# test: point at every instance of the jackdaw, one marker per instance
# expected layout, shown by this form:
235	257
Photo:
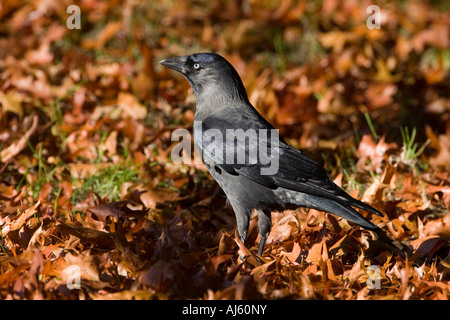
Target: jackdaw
291	179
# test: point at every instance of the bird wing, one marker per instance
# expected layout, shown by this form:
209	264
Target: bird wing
295	171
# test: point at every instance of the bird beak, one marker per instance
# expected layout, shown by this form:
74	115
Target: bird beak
176	63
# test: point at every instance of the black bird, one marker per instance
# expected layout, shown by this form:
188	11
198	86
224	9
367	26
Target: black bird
222	104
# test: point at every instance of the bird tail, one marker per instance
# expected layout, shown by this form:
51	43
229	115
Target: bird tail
361	205
344	211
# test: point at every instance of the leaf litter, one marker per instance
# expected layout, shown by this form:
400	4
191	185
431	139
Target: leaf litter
92	207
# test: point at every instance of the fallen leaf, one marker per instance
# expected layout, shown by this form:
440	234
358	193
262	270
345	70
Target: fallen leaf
427	246
99	238
11	102
40	56
16	147
86	170
21	220
372	154
150	198
108	32
439	227
294	254
131	107
116	210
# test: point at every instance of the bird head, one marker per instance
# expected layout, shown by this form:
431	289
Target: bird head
208	74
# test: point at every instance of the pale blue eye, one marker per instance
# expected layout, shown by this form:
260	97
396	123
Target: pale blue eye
196	66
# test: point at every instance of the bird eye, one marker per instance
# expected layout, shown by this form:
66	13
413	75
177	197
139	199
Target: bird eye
197	66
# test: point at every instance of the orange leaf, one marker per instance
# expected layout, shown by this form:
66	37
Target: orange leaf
294	254
22	219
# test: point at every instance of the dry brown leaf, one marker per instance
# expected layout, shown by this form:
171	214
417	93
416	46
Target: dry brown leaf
371	154
263	269
100	238
11	102
118	209
108	32
441	159
337	39
86	170
315	253
428	245
440	227
245	254
384	75
284	224
111	144
374	193
333	101
437	35
380	95
214	262
21	220
15	148
159	277
128	295
131	107
150	198
40	56
294	254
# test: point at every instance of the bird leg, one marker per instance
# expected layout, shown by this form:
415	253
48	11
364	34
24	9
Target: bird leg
264	226
242	221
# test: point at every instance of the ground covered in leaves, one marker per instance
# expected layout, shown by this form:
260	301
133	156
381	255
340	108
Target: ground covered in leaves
92	207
